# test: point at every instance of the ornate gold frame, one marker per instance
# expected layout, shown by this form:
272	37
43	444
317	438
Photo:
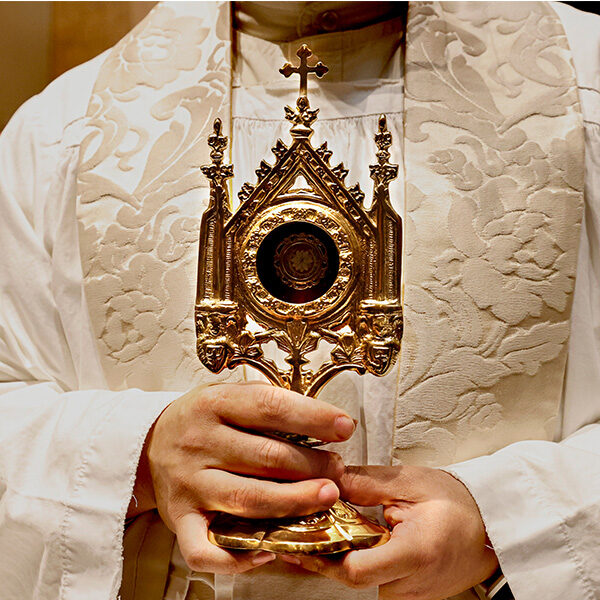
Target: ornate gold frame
337	269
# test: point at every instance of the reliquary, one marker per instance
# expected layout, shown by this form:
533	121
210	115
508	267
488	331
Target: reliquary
302	260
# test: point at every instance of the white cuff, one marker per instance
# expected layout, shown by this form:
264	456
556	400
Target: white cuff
540	502
94	537
67	468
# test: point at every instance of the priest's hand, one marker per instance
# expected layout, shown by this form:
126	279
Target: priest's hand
202	456
438	544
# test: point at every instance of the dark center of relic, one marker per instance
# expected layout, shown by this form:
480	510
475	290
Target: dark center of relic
297	262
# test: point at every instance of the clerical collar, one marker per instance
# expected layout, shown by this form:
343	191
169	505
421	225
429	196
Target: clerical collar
286	21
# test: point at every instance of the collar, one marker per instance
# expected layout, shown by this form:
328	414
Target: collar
286	21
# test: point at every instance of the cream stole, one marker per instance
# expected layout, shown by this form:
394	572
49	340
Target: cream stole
493	157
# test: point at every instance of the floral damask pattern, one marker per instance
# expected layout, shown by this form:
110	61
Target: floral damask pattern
493	154
140	192
154	54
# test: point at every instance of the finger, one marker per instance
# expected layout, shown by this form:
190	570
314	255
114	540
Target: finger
201	555
248	454
270	408
371	485
393	560
394	514
261	499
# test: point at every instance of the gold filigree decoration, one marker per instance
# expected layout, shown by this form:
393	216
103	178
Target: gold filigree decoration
297	267
358	311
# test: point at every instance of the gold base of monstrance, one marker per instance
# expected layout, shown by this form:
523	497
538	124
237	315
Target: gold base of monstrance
338	529
302	261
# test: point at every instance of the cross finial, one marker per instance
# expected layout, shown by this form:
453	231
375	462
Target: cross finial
303	70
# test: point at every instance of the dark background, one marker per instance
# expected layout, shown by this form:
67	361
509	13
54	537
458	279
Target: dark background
593	7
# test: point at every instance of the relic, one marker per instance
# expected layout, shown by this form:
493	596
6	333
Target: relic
301	261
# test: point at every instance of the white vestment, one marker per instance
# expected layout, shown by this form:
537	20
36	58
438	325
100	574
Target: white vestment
69	445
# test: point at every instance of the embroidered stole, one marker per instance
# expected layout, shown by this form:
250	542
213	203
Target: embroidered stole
493	155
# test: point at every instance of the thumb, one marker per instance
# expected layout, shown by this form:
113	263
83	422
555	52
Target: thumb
367	485
370	485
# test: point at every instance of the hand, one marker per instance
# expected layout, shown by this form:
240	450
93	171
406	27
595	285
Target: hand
197	460
438	544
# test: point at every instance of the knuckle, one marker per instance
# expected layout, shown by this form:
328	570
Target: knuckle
245	498
270	403
196	559
190	441
272	454
351	478
216	398
335	464
357	578
202	395
181	495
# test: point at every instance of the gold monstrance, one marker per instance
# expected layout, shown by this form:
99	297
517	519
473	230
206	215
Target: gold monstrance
300	266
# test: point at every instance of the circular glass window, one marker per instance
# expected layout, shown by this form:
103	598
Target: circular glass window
297	262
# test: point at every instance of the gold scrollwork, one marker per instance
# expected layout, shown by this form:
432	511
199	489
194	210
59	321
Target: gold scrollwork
296	266
275	308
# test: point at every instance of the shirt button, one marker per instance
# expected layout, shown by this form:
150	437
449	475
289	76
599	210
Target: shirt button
329	20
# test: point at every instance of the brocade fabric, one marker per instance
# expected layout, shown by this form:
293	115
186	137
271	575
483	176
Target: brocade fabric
68	372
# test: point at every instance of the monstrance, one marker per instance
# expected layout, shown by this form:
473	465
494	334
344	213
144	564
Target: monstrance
301	261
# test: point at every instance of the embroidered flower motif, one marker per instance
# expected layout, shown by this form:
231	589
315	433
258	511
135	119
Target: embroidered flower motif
145	299
506	254
138	189
155	54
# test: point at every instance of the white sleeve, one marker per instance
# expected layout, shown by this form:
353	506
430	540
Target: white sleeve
67	469
540	502
68	457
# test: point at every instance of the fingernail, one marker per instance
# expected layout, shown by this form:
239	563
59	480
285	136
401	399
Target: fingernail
290	559
328	494
262	558
344	427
